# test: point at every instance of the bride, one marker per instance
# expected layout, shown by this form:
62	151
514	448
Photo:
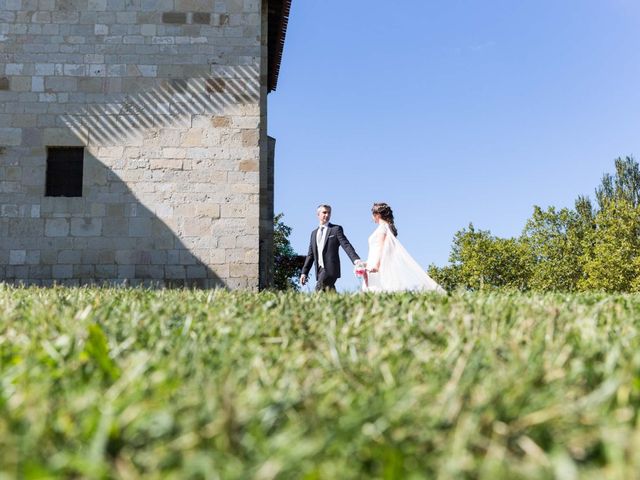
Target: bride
389	267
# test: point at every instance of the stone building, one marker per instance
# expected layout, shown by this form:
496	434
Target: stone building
133	141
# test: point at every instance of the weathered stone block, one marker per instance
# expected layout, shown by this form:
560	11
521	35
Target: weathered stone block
141	257
114	210
128	17
184	211
247	241
40	272
220	121
209	210
173	257
26	227
62	271
196	271
9	210
202	18
248	166
77	137
49	256
84	272
217	256
10	136
33	257
17	257
106	271
187	258
14	68
140	227
236	283
70	256
97	5
91	85
234	210
113	226
174	17
242	270
124	257
106	256
175	271
252	256
197	227
149	271
86	227
126	271
226	241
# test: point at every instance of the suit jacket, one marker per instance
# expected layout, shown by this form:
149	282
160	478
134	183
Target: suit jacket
334	240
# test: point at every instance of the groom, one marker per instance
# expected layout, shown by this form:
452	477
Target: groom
323	249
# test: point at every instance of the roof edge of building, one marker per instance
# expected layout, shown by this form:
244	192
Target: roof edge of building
278	20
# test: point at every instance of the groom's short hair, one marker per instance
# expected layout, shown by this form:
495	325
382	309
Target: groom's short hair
323	205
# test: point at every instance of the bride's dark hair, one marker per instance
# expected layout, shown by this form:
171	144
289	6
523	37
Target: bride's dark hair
386	214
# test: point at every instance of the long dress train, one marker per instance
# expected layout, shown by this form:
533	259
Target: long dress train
397	270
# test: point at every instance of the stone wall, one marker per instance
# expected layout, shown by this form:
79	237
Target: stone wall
167	98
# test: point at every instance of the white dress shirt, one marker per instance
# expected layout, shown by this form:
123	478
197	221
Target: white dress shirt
320	239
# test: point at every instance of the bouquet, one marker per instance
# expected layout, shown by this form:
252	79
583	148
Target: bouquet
360	270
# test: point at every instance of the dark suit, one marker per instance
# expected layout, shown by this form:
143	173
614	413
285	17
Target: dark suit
335	238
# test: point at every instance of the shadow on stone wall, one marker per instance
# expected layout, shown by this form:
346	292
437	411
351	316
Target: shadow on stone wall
173	103
108	237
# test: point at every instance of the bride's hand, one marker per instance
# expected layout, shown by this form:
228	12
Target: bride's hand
372	270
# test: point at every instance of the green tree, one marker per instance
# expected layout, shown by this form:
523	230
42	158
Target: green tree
624	184
585	248
612	262
479	260
448	277
609	245
585	211
287	263
555	242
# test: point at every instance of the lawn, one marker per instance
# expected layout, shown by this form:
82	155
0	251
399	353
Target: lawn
127	383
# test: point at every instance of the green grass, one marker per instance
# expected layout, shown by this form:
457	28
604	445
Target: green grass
125	383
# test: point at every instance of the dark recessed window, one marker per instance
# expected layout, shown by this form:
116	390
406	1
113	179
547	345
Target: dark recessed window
64	171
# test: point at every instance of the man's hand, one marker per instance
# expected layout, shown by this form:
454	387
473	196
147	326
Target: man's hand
303	279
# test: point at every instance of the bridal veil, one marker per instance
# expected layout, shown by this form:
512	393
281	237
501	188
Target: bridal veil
398	270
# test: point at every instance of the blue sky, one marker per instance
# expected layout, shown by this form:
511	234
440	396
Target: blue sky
450	111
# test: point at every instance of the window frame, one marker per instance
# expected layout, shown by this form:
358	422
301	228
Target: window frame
64	175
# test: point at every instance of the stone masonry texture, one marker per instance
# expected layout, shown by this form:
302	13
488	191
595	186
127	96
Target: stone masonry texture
168	100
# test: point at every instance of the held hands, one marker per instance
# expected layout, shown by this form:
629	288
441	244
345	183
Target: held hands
361	268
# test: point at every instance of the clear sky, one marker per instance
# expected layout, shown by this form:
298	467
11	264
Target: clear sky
450	111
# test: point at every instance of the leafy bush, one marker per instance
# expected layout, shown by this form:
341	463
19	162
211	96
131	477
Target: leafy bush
287	263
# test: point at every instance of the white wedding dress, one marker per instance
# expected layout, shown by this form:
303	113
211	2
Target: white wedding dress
397	270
